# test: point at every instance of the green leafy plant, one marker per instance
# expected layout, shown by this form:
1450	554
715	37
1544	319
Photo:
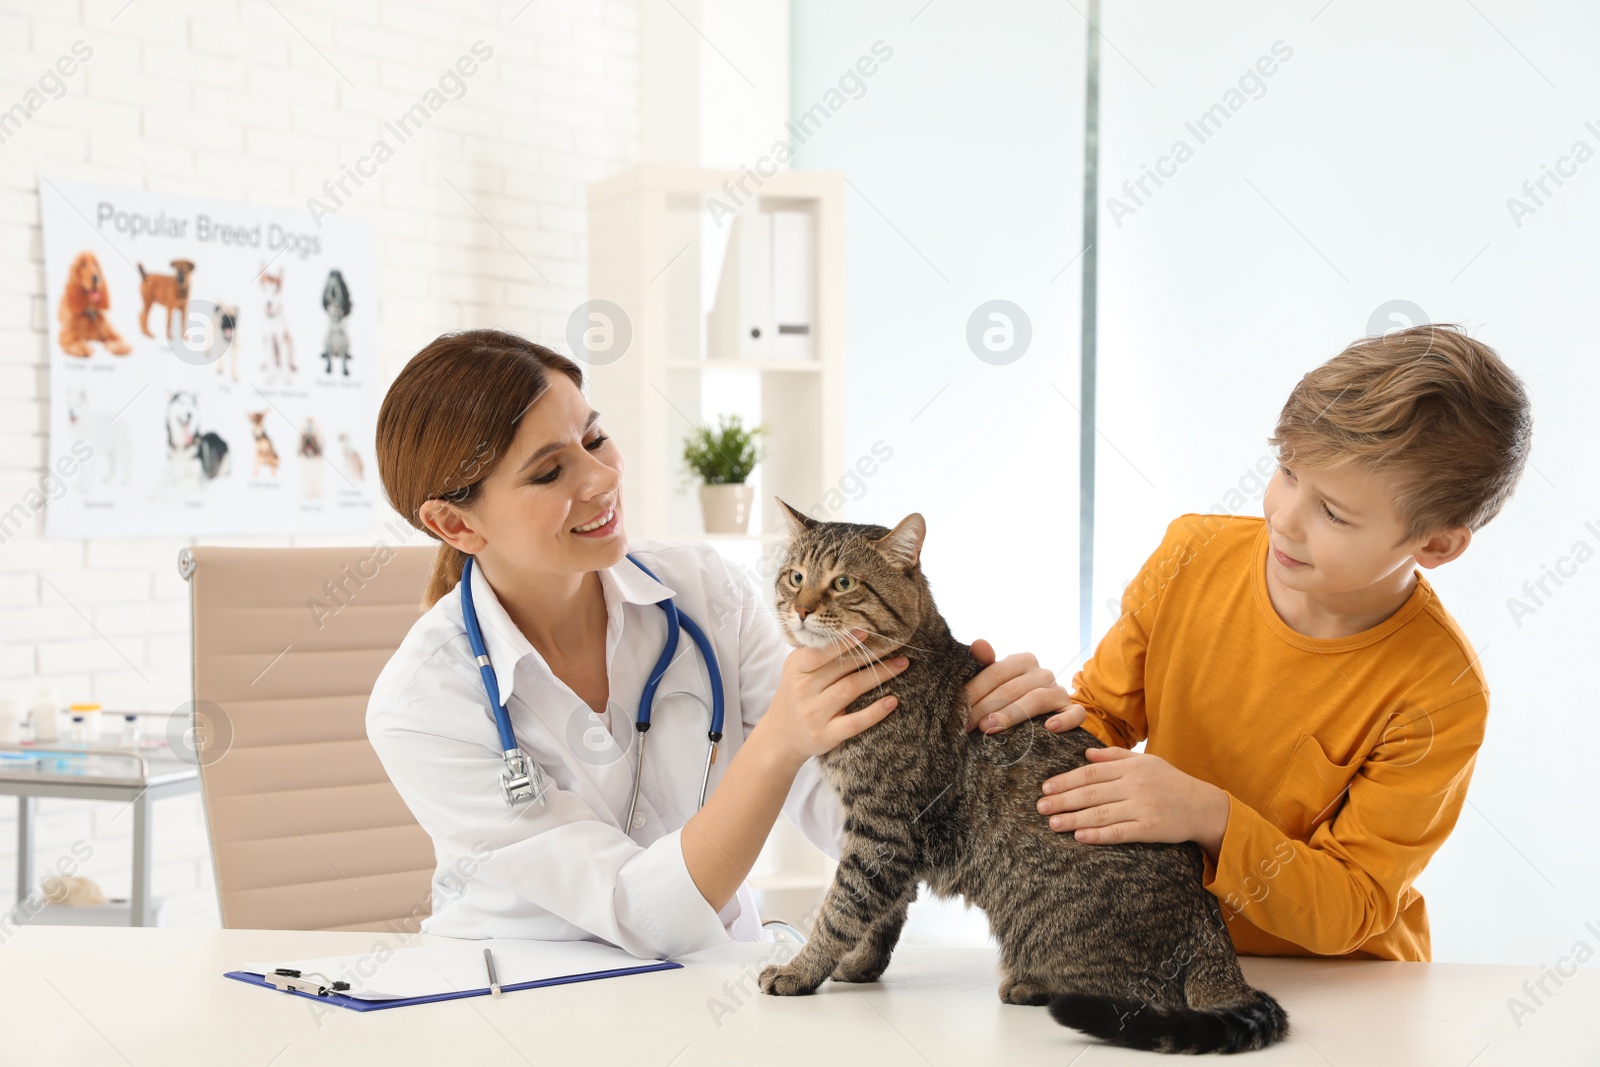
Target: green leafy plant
724	456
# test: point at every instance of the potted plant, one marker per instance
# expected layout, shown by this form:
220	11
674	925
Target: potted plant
723	459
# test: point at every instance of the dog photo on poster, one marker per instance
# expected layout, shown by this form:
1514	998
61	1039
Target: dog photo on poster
213	366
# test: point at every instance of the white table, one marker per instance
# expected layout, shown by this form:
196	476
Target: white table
89	996
98	772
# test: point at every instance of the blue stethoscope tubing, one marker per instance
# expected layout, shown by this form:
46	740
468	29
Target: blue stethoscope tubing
521	779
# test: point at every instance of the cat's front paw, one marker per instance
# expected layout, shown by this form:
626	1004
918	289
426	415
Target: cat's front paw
785	982
860	968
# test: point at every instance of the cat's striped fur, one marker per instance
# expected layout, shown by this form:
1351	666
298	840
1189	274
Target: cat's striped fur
1122	941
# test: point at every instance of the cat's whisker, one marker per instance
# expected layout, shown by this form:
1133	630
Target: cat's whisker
902	648
843	639
861	648
837	639
855	649
851	640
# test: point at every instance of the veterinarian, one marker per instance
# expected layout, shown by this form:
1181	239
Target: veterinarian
486	442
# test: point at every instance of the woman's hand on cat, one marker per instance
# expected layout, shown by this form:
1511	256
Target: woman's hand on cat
1123	796
1014	689
807	716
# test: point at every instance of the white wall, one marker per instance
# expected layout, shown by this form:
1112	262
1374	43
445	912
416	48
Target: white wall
964	153
713	80
1376	165
261	103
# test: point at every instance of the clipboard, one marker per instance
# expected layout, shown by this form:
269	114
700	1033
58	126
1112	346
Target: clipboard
421	973
357	1004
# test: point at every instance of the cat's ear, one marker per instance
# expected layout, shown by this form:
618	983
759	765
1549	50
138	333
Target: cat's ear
902	546
799	522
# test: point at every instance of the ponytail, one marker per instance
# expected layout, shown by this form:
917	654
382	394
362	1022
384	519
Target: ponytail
447	564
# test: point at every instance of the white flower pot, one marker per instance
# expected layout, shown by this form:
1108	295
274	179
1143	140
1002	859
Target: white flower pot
726	508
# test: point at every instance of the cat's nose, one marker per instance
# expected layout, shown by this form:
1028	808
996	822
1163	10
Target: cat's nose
801	613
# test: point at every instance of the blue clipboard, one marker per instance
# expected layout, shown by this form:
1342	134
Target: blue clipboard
357	1004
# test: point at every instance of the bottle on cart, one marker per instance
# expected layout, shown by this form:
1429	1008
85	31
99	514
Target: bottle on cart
46	717
92	714
130	731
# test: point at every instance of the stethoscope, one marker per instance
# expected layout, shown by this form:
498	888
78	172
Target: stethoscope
522	780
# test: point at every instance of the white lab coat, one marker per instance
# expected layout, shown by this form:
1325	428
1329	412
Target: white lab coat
569	870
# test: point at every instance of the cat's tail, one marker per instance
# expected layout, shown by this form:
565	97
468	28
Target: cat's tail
1254	1024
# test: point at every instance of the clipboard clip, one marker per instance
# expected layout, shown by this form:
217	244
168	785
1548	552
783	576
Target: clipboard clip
286	980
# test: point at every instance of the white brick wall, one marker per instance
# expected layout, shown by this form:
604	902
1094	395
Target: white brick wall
234	100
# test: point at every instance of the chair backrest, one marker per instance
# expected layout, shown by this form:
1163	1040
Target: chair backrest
307	832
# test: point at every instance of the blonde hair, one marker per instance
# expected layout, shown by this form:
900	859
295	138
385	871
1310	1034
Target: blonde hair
448	420
1429	407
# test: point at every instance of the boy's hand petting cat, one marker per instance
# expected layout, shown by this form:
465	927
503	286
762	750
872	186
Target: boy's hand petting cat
1015	689
1126	796
807	717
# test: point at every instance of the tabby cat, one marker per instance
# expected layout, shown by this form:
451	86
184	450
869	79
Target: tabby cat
1121	941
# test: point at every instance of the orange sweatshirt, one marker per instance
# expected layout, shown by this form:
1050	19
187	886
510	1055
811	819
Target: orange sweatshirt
1345	760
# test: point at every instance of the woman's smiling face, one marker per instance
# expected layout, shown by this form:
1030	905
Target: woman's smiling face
560	472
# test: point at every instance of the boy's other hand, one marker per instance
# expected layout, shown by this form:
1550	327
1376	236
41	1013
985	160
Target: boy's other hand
1016	688
1124	796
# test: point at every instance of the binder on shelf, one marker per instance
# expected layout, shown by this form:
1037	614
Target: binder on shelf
739	325
793	270
424	974
765	300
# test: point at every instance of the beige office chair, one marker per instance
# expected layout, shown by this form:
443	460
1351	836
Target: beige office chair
307	832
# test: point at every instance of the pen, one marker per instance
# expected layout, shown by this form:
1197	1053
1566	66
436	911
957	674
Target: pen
494	982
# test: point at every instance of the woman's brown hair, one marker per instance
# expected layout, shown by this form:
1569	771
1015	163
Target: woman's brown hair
448	420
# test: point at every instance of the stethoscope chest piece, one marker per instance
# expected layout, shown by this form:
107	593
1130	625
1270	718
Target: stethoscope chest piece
521	780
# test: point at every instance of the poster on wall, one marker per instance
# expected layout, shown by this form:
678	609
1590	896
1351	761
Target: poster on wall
213	365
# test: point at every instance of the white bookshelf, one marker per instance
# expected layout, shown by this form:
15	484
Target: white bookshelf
656	252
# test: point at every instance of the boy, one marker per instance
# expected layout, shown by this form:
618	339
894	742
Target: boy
1311	712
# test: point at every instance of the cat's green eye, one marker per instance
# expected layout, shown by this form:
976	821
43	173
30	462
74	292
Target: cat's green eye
796	579
844	583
